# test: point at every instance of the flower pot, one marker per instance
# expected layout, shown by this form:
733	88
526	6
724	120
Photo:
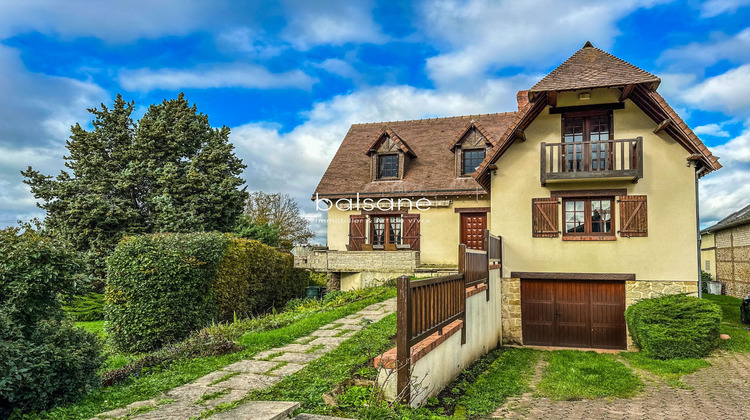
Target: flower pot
714	287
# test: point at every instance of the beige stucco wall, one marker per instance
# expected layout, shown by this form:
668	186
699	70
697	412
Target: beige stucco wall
708	253
669	251
439	367
439	226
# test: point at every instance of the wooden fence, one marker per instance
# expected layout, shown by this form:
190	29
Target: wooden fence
427	306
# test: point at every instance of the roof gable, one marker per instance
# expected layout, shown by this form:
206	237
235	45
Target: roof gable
389	141
591	67
740	217
475	134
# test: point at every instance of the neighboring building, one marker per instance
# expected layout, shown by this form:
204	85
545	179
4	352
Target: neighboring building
591	184
725	247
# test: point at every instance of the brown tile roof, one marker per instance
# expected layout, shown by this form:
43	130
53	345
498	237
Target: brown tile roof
431	173
591	67
487	135
399	141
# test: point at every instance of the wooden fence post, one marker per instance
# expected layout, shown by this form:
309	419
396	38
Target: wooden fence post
403	336
462	299
487	253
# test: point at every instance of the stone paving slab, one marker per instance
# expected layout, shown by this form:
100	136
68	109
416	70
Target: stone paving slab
184	402
259	410
252	366
287	369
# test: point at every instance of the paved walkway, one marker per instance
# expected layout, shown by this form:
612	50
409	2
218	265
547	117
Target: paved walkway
234	381
720	391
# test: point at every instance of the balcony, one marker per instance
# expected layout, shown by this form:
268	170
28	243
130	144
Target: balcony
592	160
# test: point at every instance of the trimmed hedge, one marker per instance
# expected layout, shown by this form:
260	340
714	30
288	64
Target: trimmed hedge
674	326
163	286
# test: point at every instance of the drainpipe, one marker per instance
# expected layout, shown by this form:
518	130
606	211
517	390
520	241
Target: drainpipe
698	230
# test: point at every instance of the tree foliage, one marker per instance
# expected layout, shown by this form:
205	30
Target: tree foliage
44	360
282	211
267	234
169	172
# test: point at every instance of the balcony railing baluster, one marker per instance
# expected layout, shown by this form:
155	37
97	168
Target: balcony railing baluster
592	159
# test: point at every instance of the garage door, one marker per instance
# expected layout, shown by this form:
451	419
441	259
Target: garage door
571	313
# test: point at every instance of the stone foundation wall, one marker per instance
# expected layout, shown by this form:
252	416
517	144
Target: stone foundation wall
359	261
634	291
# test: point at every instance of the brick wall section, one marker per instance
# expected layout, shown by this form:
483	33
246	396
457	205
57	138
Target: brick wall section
510	299
733	260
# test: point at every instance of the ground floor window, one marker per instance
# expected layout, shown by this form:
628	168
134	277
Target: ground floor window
588	216
386	230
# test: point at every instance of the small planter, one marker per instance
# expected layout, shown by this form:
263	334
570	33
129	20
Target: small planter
714	287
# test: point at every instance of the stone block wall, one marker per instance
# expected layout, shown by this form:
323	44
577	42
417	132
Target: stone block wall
359	261
733	260
510	298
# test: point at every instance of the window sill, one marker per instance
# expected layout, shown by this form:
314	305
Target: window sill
589	238
387	179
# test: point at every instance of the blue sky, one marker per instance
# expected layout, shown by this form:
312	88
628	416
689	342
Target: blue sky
291	76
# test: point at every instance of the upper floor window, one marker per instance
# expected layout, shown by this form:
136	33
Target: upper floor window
580	128
588	216
387	166
470	160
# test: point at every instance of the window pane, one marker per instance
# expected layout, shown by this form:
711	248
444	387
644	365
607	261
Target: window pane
394	230
574	216
601	216
388	166
471	160
378	230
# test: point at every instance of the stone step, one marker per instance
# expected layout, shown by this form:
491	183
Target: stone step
259	410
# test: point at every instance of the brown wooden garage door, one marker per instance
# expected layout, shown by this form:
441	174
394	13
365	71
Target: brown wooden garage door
573	313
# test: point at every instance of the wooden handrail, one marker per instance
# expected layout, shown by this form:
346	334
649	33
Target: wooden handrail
592	159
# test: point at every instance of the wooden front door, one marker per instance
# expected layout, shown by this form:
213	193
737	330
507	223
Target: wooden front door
472	229
573	313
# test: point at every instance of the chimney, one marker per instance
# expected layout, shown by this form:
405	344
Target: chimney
523	98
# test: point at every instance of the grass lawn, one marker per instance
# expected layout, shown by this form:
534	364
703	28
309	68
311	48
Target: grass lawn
668	370
575	375
182	372
731	323
96	327
508	375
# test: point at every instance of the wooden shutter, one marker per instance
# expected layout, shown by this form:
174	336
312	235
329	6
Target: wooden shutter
633	216
411	231
544	218
357	234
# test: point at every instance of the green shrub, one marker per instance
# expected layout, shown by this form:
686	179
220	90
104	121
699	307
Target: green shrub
86	308
159	288
44	361
674	326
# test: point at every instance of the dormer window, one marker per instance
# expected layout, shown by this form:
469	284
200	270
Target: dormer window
387	166
471	159
470	148
390	156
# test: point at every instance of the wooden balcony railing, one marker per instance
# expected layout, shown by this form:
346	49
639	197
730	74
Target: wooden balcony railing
592	159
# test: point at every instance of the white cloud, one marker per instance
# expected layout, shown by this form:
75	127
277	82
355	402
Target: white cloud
727	92
481	35
221	76
699	55
339	67
712	8
114	21
250	42
311	23
715	130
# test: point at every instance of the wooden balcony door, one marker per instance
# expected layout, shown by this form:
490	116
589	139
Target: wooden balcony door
586	138
472	229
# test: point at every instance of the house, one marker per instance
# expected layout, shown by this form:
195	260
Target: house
591	183
725	252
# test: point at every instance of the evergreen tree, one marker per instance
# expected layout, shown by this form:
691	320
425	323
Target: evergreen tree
170	172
